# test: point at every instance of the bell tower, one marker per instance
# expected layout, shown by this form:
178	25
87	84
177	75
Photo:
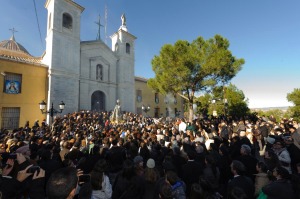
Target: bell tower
123	47
63	52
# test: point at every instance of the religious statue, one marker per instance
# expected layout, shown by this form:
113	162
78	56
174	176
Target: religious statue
116	114
123	18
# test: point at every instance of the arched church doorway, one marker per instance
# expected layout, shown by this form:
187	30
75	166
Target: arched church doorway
98	101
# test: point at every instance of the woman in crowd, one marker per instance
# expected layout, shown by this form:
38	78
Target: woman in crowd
100	182
151	177
281	187
261	178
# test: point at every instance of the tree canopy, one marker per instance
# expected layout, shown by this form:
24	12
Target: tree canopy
235	104
185	68
294	97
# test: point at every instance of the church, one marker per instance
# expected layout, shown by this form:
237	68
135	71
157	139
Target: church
85	75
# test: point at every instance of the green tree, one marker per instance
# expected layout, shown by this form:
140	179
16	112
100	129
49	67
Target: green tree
186	68
294	97
237	102
235	105
203	103
277	113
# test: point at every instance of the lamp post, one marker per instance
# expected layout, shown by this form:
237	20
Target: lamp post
215	114
146	109
51	111
225	106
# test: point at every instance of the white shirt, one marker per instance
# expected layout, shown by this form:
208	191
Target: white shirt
182	127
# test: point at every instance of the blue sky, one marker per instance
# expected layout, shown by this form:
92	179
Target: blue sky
266	33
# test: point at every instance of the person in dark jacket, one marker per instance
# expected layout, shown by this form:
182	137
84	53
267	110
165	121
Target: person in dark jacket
128	185
281	187
115	156
16	186
191	171
178	186
240	181
248	160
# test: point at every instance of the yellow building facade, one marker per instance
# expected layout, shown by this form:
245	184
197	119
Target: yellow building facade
23	83
153	104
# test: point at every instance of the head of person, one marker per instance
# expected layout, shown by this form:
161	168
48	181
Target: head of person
97	174
278	144
281	173
62	184
292	129
242	133
128	169
172	177
237	167
245	149
165	191
261	167
138	161
191	154
151	175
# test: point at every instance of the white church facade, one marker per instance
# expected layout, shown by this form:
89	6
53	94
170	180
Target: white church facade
87	74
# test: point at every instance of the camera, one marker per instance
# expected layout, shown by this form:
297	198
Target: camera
33	169
84	178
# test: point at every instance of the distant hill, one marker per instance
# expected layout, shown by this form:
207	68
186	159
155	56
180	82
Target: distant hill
283	108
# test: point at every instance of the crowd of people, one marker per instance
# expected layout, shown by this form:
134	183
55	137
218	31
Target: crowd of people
85	155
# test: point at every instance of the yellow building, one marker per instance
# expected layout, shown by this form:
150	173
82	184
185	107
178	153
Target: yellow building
153	104
23	81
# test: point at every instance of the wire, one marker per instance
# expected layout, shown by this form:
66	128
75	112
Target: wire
37	20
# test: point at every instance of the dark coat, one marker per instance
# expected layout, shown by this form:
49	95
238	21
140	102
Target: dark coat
115	157
250	163
128	189
191	172
279	189
11	188
242	182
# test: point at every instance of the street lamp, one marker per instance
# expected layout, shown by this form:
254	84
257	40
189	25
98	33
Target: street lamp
145	109
225	106
51	111
215	114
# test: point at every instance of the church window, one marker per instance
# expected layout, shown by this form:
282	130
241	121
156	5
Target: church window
67	21
167	112
127	48
116	47
99	72
156	99
139	95
166	100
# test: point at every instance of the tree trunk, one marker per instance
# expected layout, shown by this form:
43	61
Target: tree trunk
191	112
